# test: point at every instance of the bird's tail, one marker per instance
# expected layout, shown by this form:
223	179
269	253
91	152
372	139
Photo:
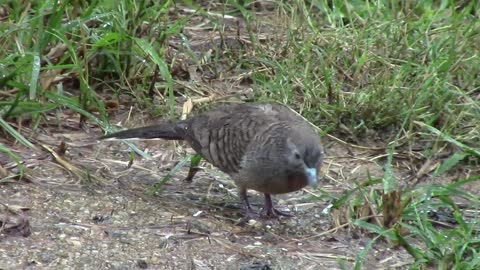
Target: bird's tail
164	131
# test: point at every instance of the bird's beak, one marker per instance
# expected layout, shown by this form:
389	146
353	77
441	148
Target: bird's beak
312	176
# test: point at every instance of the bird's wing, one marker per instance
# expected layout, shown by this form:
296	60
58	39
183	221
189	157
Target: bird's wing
223	134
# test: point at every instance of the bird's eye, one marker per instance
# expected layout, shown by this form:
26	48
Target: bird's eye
297	156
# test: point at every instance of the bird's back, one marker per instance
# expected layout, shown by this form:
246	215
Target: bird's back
223	134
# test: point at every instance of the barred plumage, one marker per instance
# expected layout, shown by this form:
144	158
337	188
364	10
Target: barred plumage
262	146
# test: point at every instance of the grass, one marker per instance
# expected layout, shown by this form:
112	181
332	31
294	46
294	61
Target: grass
403	76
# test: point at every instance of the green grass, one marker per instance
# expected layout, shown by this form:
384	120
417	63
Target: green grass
406	71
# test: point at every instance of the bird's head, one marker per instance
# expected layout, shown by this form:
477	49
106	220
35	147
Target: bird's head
304	159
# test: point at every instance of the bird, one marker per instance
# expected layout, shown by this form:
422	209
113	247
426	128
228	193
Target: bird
261	146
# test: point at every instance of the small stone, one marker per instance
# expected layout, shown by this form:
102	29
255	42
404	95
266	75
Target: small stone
142	264
47	257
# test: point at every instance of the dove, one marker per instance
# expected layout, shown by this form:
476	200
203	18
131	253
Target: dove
261	146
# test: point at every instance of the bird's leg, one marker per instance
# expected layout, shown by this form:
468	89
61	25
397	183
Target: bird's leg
246	206
245	202
270	211
191	173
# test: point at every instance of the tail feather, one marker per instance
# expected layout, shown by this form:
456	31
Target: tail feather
164	131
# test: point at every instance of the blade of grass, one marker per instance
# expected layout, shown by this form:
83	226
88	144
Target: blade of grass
164	71
159	186
17	136
34	77
466	148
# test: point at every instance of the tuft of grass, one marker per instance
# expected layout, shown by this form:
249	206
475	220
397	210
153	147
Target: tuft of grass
371	66
425	221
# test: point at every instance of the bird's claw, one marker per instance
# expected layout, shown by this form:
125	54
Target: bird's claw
249	215
275	213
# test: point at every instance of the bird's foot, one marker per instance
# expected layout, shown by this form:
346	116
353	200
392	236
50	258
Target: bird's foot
270	211
249	215
275	213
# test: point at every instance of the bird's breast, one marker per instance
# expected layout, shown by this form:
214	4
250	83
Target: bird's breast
296	182
272	185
